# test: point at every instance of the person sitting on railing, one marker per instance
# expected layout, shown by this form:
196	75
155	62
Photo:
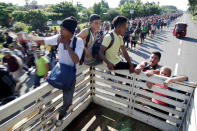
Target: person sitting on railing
151	65
89	36
110	56
165	71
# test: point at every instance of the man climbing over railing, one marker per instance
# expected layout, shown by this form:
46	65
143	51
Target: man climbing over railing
166	72
63	75
109	51
151	66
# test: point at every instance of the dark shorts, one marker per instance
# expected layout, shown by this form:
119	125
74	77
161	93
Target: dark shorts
142	35
133	42
123	66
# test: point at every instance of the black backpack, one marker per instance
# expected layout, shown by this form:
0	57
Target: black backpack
97	46
86	45
95	49
31	59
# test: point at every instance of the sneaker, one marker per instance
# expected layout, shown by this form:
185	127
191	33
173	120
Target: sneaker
59	123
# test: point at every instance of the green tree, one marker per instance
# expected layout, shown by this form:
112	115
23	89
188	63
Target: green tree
84	15
20	16
104	4
169	9
140	9
65	9
98	9
112	13
193	6
34	4
27	4
80	7
6	14
37	19
20	27
122	2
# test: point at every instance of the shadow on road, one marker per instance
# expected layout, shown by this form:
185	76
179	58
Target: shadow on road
141	54
194	40
151	46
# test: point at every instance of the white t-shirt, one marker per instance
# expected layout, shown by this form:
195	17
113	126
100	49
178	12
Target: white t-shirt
63	55
153	27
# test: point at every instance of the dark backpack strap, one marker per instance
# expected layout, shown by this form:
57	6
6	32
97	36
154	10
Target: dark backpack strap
74	43
86	45
88	37
112	41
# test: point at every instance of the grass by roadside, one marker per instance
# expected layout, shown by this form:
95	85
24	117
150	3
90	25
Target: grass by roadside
194	18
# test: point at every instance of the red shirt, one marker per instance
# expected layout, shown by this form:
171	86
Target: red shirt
157	101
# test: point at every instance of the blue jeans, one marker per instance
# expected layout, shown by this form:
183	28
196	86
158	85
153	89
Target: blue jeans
67	100
37	80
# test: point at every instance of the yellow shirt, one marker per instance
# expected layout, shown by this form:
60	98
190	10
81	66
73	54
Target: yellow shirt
112	53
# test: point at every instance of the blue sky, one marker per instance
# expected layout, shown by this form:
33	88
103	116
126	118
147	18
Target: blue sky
180	4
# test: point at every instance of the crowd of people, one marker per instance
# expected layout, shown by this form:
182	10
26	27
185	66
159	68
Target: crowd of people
95	44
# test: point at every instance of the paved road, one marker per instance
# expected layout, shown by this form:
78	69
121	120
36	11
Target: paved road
179	54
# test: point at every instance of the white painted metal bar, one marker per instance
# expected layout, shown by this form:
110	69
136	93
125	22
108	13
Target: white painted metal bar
21	102
97	88
83	68
82	77
113	77
160	80
111	105
160	98
117	99
117	85
109	89
157	113
30	110
164	108
153	121
73	115
163	91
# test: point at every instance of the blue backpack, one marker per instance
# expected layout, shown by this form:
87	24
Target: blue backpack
63	76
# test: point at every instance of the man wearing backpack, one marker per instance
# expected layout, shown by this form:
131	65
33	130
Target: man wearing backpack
89	36
70	49
109	51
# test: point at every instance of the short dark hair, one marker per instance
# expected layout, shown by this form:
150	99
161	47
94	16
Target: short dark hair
6	33
157	53
118	20
94	17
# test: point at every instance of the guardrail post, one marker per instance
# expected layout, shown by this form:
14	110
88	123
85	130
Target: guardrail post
92	81
132	95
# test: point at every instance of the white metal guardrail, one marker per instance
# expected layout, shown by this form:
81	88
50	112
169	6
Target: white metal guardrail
127	94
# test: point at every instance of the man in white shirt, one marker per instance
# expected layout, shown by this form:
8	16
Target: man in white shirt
66	55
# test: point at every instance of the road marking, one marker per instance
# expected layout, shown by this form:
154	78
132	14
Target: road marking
176	69
179	51
181	41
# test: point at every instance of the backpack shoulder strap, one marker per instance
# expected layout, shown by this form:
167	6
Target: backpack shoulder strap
74	43
112	41
88	37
